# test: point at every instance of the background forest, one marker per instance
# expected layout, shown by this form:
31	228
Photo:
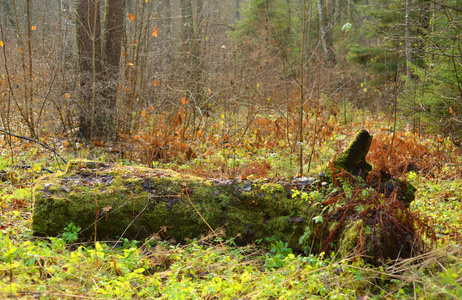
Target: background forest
163	72
245	89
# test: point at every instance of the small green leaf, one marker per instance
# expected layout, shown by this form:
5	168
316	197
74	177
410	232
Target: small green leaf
318	219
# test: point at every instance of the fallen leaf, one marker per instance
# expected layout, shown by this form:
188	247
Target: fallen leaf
107	208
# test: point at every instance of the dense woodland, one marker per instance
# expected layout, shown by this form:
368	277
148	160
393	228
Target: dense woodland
231	90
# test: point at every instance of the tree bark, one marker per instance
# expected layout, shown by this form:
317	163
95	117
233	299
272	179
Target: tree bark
99	71
89	46
31	75
187	26
112	51
325	35
167	19
237	12
65	21
408	41
8	14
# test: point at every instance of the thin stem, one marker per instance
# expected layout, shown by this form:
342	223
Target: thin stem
302	92
31	78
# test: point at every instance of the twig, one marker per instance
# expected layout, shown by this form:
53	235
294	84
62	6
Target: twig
35	141
203	219
134	219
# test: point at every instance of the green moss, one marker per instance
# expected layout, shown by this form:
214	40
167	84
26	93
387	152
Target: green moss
74	165
271	188
350	237
353	159
332	226
139	202
406	192
146	200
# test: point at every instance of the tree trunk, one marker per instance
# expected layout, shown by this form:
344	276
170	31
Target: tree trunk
237	12
89	46
112	51
408	41
197	53
187	26
30	100
8	14
65	21
167	18
98	87
327	45
289	20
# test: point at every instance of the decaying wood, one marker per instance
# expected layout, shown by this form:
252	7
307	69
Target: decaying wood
136	203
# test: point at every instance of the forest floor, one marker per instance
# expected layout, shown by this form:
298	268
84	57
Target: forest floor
212	268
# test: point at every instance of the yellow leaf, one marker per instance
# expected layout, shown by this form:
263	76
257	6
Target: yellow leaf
246	276
131	17
33	27
1	44
222	116
107	208
154	32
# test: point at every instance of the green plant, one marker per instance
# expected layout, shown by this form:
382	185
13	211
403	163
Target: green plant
71	233
277	255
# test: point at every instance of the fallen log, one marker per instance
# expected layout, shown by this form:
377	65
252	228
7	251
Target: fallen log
311	214
144	200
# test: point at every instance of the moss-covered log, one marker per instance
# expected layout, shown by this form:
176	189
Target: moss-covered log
135	203
144	200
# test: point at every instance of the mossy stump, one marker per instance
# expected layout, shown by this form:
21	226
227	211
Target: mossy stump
353	159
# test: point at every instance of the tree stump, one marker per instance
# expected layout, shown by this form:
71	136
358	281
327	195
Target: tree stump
353	159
